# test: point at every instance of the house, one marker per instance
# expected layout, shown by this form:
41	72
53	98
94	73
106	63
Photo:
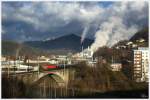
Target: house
24	67
140	40
53	61
3	58
134	45
129	43
116	66
43	58
91	63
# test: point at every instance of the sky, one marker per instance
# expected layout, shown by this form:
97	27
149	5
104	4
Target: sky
30	21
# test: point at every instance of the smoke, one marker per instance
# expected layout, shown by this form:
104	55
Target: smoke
111	32
86	29
120	22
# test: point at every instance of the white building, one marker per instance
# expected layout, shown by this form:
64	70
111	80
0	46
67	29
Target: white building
3	58
140	40
87	53
134	45
116	66
43	58
53	61
62	57
129	43
91	63
24	67
141	64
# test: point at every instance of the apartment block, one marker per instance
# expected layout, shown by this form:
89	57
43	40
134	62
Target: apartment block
141	64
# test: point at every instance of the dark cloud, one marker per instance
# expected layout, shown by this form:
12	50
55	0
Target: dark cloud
23	21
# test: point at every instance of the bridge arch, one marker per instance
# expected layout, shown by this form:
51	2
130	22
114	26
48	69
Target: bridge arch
54	75
45	80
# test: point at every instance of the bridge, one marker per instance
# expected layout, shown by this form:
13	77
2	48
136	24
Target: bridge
61	76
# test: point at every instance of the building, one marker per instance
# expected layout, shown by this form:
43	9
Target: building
116	66
129	43
3	58
88	53
53	61
24	68
61	57
91	63
85	55
140	40
141	64
43	58
134	45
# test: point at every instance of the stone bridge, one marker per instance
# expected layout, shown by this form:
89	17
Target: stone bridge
61	76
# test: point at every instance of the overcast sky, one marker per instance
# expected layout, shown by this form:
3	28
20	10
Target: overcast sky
25	21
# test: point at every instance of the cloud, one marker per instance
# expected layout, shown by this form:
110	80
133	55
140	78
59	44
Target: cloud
45	15
40	20
49	17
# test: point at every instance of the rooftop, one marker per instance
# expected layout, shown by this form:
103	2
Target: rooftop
143	48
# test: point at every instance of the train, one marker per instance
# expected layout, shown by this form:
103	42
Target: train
47	67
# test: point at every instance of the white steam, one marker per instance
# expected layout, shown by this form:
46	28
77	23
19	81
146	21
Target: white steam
84	33
119	22
111	32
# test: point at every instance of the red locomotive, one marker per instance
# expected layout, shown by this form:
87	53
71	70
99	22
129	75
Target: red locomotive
49	67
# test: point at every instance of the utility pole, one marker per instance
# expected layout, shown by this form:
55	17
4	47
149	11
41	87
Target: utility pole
55	91
112	60
44	90
64	67
28	64
38	66
14	59
60	91
19	63
8	66
82	52
49	92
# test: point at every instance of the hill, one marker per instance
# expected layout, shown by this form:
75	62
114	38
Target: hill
65	43
62	45
11	48
140	39
123	51
140	34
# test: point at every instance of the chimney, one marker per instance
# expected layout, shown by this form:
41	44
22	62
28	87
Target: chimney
88	48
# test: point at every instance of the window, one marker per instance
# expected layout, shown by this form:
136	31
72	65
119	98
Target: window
138	65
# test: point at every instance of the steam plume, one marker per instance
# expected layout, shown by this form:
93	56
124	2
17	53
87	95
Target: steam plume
84	33
111	32
118	23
